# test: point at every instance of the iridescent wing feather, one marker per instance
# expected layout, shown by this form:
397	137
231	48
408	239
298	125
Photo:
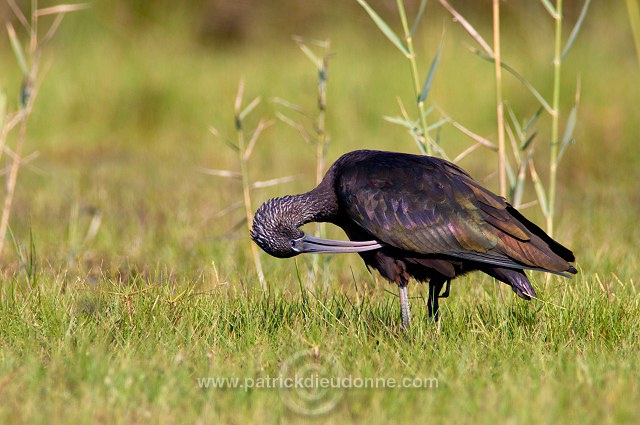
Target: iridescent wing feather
430	206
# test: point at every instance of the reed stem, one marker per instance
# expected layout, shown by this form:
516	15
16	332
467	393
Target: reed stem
426	144
246	184
634	19
555	119
322	139
502	168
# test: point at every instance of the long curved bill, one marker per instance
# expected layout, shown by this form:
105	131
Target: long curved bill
313	245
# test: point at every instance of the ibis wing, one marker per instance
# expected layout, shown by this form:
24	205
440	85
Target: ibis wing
431	206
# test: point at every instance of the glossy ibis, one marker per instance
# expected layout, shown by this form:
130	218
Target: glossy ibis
413	216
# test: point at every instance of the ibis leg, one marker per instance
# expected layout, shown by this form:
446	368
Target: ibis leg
447	290
435	286
404	305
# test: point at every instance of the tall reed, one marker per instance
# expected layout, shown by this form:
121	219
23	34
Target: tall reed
502	169
16	121
244	145
313	126
522	154
418	127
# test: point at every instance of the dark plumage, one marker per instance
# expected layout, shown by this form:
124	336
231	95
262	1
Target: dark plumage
413	216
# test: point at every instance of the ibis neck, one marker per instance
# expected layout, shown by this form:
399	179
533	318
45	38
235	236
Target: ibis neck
317	205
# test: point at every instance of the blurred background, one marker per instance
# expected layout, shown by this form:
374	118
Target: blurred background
129	90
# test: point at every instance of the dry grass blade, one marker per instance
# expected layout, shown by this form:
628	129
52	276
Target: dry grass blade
540	192
550	8
436	125
468	27
18	13
18	51
320	43
513	139
262	125
571	123
435	144
520	78
52	29
242	222
23	161
238	101
94	226
272	182
3	109
250	107
520	142
221	173
486	143
510	175
292	106
227	210
214	131
528	204
308	52
412	127
285	119
62	8
466	152
303	131
403	110
518	188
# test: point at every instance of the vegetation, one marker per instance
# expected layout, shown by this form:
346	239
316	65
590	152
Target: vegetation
123	282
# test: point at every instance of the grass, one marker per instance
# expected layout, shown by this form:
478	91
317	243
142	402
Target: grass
118	326
133	351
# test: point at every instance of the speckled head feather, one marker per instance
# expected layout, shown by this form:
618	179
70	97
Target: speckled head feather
275	225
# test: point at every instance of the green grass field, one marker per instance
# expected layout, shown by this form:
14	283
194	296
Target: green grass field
122	287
